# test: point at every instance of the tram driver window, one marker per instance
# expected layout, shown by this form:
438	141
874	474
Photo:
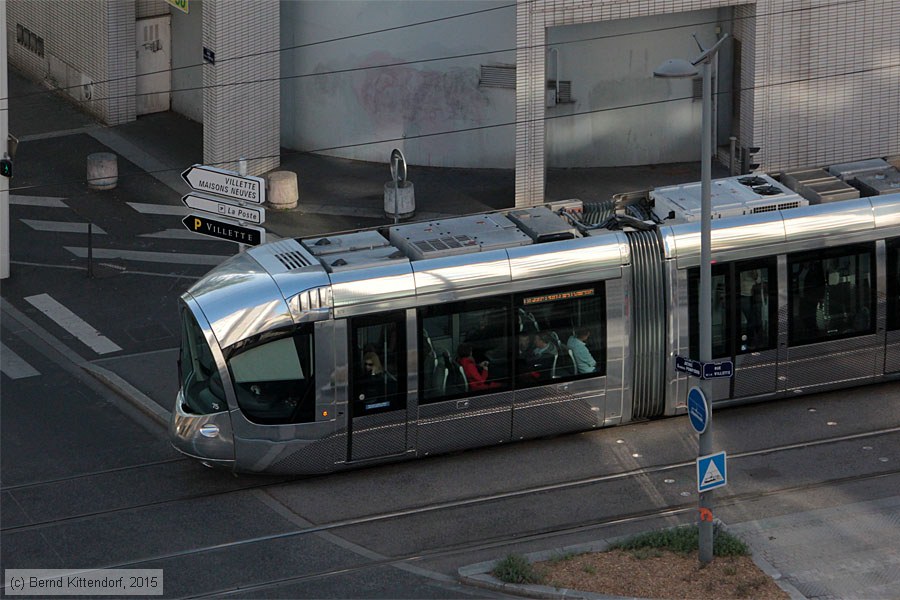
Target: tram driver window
274	380
831	294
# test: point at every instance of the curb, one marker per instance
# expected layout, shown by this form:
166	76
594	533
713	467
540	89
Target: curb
133	395
479	574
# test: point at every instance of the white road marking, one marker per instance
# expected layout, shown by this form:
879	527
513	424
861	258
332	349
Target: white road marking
72	323
155	257
62	226
159	209
14	365
179	234
48	201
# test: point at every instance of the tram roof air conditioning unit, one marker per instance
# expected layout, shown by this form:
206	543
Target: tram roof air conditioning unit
460	235
729	197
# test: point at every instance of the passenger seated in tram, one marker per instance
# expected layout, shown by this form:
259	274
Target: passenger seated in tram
577	343
375	382
543	357
476	374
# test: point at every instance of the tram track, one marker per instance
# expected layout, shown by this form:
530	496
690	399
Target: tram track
495	542
406	512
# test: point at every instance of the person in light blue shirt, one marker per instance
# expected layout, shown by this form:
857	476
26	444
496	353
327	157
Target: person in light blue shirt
577	343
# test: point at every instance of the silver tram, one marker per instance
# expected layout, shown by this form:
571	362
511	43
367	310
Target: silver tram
320	354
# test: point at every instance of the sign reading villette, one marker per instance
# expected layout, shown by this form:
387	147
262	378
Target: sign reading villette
226	184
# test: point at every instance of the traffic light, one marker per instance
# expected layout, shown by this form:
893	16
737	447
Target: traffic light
6	166
747	163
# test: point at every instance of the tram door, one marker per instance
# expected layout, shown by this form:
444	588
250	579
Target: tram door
378	401
744	325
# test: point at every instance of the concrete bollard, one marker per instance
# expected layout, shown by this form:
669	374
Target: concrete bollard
102	171
282	192
405	198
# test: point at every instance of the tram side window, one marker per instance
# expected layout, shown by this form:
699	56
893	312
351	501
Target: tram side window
560	334
465	348
200	381
274	380
893	284
831	294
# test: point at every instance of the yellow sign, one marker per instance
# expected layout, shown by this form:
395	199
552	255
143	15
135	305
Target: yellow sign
558	296
180	4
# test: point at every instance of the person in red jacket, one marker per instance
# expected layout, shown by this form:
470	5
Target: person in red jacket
476	374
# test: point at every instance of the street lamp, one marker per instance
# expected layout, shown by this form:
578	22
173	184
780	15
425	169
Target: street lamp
681	68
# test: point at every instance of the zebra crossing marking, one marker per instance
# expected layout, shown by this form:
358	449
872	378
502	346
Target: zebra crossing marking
62	227
72	323
46	201
14	366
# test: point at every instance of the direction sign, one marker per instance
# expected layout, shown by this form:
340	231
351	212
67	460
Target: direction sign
225	230
251	214
698	410
711	472
716	370
226	183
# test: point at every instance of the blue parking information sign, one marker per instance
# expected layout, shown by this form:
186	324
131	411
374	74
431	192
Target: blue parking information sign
711	472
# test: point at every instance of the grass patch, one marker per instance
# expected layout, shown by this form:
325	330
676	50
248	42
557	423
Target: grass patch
515	568
681	540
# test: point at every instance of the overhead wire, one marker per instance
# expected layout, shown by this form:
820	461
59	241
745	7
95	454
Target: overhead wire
404	62
407	138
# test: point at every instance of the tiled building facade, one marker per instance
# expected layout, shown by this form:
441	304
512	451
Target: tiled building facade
819	80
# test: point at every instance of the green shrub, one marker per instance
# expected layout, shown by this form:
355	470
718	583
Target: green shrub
515	568
683	540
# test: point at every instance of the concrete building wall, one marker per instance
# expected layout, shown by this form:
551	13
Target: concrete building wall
819	82
241	89
84	47
187	61
619	114
335	102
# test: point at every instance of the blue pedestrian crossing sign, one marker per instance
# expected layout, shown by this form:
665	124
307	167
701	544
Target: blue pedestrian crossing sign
711	472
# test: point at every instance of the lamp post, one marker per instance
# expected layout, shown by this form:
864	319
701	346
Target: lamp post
681	68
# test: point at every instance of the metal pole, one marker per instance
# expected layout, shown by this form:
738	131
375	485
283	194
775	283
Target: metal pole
705	312
242	171
90	250
4	140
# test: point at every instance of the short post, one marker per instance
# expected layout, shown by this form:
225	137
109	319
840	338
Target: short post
732	163
90	251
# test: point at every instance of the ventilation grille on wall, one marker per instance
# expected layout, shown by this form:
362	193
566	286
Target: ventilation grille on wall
563	92
500	76
25	37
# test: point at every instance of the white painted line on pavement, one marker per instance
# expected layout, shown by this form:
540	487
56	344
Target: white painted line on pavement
155	257
14	365
159	209
47	201
182	234
62	226
72	323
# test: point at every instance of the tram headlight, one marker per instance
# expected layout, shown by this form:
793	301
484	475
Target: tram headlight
209	430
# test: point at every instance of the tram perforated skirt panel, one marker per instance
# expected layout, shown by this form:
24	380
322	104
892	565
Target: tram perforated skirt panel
542	412
649	335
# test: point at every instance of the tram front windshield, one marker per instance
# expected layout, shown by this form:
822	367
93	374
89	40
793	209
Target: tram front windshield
201	383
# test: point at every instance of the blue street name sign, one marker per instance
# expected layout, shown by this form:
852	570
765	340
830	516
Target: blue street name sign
716	370
686	365
711	472
698	410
